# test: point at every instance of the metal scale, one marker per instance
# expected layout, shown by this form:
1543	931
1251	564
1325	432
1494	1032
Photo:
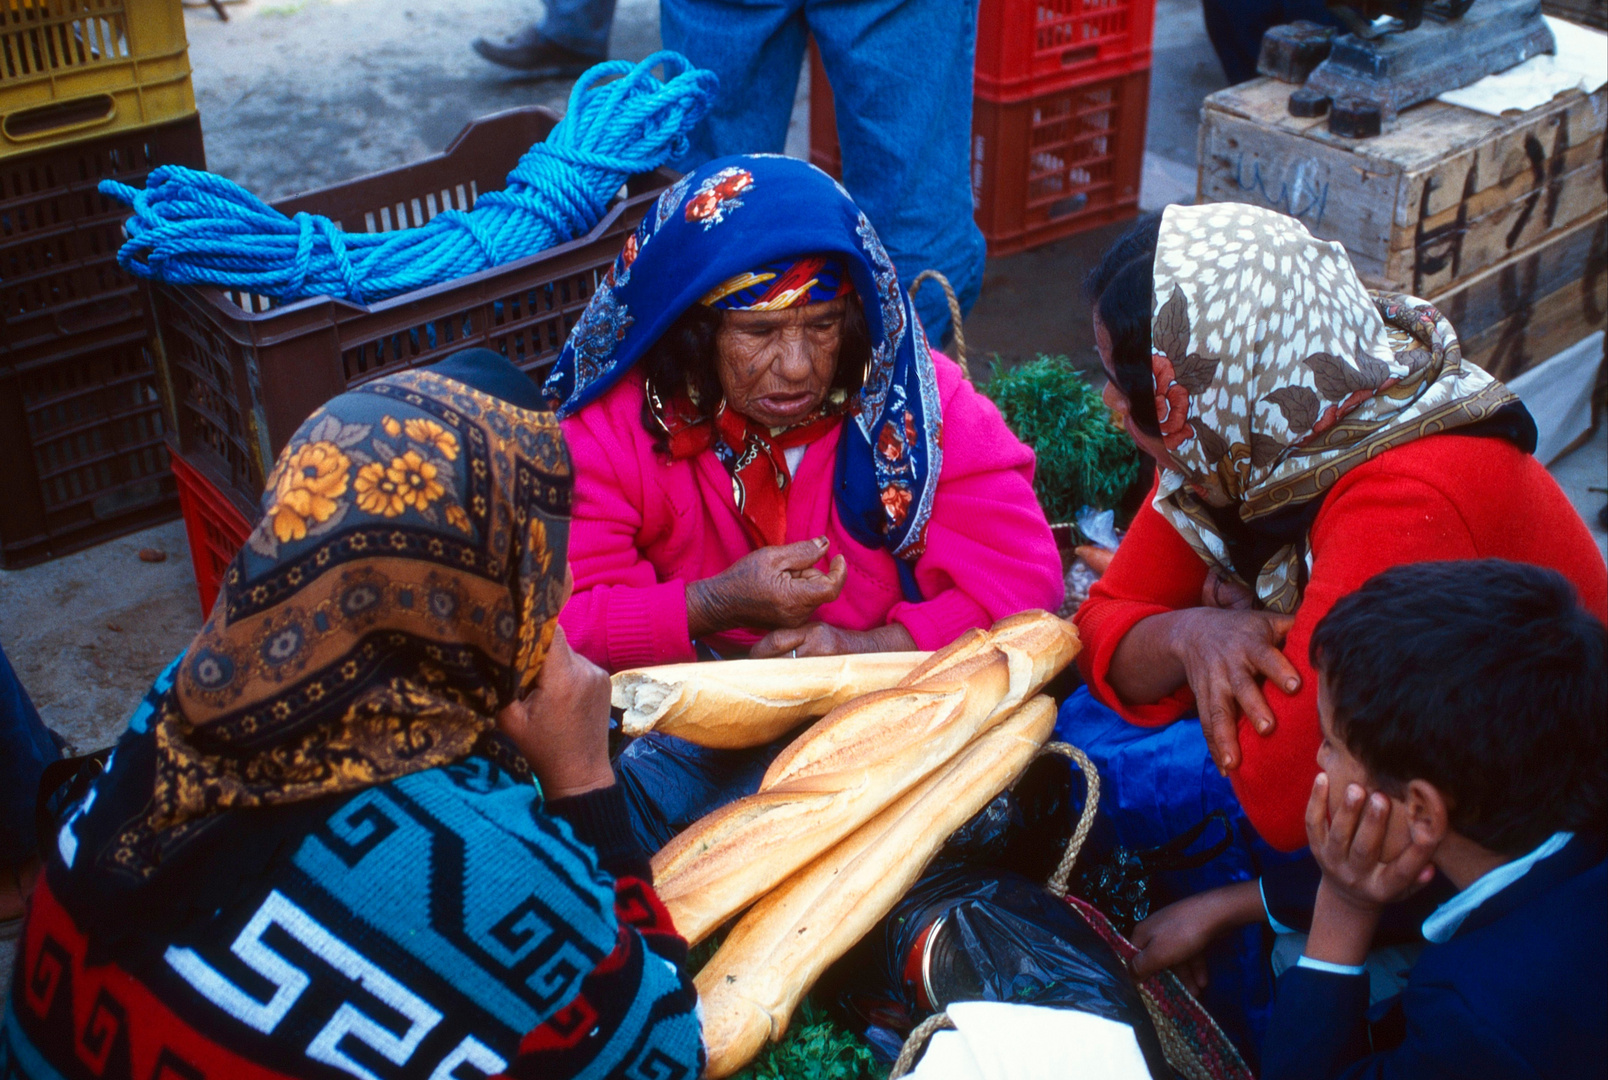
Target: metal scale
1398	53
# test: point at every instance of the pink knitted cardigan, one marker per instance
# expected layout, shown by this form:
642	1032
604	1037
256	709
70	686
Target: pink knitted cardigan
643	527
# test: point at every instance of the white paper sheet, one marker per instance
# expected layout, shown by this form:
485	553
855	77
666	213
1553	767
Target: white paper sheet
1581	61
998	1041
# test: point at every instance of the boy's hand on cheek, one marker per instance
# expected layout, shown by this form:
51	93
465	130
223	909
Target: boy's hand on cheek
1349	846
1357	880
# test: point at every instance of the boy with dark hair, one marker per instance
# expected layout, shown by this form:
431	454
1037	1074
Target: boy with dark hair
1464	708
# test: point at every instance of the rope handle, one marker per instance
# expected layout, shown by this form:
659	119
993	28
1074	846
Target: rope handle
954	314
1074	845
916	1044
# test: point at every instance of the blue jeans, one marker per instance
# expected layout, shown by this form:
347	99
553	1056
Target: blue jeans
1154	784
581	25
901	74
25	749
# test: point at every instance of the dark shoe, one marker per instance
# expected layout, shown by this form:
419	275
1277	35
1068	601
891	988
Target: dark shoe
531	52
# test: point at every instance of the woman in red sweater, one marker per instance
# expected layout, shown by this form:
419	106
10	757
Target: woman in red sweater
1309	434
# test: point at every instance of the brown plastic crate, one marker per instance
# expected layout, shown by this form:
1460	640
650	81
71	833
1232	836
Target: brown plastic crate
241	374
81	438
60	285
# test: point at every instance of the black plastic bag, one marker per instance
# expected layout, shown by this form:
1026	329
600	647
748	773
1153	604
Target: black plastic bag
967	934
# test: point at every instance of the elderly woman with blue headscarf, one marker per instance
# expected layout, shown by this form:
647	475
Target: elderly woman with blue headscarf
770	459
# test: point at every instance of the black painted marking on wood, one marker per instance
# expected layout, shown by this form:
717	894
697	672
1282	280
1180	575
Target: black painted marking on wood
1596	267
1448	238
1538	177
1518	300
1560	152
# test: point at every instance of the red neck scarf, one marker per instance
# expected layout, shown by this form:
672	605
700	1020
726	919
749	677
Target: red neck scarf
751	452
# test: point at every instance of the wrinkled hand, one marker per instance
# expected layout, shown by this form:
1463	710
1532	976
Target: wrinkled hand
1178	935
562	726
767	589
819	639
1223	653
1350	848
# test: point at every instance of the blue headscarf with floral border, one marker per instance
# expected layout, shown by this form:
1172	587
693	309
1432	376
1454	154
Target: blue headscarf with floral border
727	217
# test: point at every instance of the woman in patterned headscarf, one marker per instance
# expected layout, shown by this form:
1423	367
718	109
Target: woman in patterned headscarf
321	848
1309	434
768	455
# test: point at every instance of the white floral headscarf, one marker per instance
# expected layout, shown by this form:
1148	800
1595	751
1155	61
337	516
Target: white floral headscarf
1277	372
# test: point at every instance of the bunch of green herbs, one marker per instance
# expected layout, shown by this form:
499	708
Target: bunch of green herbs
1084	459
816	1047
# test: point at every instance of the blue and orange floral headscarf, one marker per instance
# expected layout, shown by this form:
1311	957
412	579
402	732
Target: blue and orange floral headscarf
401	586
728	225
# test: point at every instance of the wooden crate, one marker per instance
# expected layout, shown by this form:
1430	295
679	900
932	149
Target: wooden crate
1443	195
1534	304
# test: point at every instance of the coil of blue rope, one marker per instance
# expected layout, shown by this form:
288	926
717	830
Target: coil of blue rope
197	228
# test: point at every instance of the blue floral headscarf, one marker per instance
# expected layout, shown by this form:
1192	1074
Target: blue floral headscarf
729	216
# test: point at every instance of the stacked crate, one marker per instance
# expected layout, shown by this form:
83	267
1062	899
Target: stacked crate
1061	90
1500	221
89	90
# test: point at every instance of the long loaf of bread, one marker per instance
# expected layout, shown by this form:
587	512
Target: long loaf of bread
776	951
731	704
850	765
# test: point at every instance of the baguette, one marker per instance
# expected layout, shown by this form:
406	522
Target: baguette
998	669
728	858
850	765
732	704
775	953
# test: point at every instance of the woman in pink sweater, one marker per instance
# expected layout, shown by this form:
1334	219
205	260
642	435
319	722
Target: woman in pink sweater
769	458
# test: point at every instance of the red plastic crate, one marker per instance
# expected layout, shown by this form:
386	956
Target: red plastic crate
215	526
1043	167
1026	47
1060	162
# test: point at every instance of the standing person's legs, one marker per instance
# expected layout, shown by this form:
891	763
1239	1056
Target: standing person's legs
756	47
580	25
573	36
901	75
26	747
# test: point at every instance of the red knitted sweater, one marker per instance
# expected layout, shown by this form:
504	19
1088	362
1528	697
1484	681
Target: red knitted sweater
1443	497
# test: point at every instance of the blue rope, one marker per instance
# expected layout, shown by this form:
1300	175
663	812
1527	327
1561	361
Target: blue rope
197	228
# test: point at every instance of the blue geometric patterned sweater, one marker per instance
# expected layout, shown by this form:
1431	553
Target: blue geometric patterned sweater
446	925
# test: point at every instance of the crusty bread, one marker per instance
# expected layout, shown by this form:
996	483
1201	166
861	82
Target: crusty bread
998	669
850	765
731	704
776	951
728	858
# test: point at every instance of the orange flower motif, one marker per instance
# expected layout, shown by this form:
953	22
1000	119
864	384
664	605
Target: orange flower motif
392	428
457	518
305	494
896	501
1172	403
431	434
377	493
415	479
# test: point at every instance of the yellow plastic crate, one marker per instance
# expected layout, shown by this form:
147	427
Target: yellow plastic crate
76	69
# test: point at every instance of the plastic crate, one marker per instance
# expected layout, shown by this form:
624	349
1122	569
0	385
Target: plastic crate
245	373
81	439
213	524
75	69
60	285
1042	168
1027	47
1060	162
